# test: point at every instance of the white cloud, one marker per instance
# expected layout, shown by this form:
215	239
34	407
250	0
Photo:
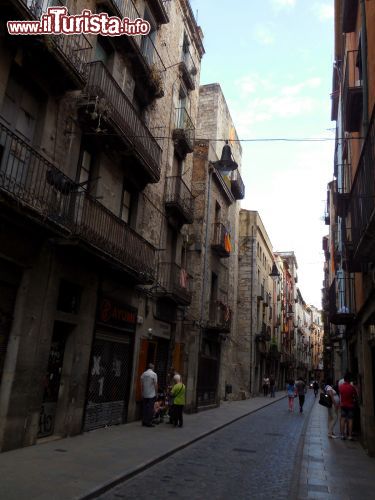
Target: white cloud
281	4
324	10
251	83
296	89
262	100
264	35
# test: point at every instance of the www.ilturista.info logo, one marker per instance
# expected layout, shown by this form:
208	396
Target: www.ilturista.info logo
57	21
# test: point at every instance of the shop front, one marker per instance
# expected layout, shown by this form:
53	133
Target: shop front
208	372
111	365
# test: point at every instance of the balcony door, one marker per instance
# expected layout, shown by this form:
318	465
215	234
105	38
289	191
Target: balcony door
182	105
20	110
148	42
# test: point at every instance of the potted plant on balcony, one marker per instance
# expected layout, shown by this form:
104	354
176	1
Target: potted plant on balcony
156	81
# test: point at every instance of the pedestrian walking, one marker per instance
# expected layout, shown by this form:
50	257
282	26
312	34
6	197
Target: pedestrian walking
171	374
178	395
348	395
149	383
301	391
272	386
266	386
316	388
291	392
333	411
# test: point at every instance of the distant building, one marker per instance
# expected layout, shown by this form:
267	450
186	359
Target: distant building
259	307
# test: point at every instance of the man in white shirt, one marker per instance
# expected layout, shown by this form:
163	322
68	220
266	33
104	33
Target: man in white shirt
149	383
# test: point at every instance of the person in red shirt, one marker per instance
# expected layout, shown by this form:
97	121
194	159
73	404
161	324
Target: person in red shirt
347	397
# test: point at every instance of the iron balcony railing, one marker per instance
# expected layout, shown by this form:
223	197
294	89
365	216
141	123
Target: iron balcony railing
188	68
352	91
74	49
220	316
341	298
184	131
107	96
221	241
261	293
144	44
361	205
223	279
176	282
178	196
237	185
265	333
33	181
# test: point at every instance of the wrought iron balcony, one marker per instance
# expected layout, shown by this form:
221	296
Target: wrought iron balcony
261	294
221	242
265	333
150	70
273	352
237	185
72	53
220	317
362	201
341	201
179	200
175	283
160	10
126	8
341	298
184	132
223	279
103	98
188	69
45	193
352	91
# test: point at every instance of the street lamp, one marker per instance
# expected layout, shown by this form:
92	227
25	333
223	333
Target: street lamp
226	164
275	275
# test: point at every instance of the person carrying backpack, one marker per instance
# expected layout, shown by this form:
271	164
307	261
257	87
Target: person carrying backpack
334	409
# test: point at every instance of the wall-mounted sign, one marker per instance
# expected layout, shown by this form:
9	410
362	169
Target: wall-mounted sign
162	329
112	313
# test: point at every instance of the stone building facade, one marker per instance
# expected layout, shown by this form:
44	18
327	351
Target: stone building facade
212	253
348	294
96	136
259	306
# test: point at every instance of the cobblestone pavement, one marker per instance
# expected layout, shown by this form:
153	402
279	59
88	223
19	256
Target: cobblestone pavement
252	458
333	469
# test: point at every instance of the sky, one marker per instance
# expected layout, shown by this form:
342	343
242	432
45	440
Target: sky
273	60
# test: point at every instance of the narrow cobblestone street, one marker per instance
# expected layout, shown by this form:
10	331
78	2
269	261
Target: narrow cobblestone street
268	454
254	457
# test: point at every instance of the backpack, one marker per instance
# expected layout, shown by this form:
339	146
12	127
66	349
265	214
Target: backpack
325	399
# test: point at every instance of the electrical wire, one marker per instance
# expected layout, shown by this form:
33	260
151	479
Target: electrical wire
264	139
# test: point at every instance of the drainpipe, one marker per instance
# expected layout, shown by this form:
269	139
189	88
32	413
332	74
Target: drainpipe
208	194
364	67
251	380
206	244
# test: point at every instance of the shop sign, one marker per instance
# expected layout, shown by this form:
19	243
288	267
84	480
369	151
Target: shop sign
112	313
162	329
